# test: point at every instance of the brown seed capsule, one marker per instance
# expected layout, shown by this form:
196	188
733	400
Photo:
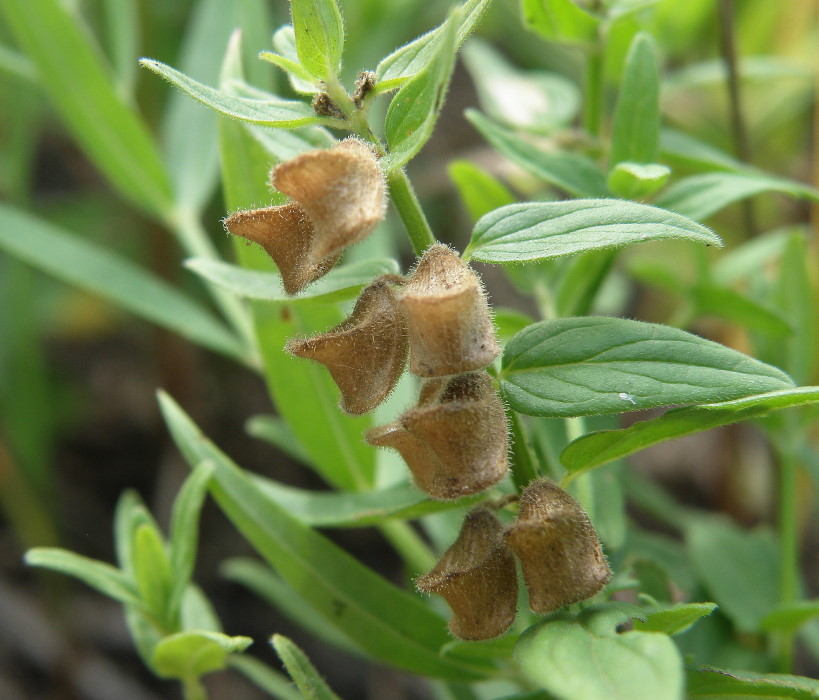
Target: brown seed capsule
287	235
341	189
450	328
477	577
455	440
558	548
365	354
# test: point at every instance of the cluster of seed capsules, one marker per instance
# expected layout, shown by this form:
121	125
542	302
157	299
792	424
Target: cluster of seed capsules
455	440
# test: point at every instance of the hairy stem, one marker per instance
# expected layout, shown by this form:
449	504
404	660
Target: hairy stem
593	110
409	209
524	464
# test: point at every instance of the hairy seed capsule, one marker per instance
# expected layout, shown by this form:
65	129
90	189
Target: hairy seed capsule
365	354
450	328
558	548
455	440
477	577
341	189
287	235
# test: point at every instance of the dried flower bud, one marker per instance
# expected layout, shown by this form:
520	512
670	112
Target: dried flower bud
341	189
365	354
455	440
450	328
287	236
477	577
558	548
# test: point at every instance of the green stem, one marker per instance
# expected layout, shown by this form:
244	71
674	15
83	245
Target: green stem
524	464
409	209
414	551
788	546
594	90
192	689
583	484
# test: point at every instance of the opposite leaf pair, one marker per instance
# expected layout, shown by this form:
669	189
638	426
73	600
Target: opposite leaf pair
339	196
558	549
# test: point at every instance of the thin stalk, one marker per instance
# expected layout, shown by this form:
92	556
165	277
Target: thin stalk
583	484
593	105
788	546
192	689
524	463
742	143
409	209
414	551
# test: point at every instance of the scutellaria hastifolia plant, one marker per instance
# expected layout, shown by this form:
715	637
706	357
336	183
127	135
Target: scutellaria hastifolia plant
455	437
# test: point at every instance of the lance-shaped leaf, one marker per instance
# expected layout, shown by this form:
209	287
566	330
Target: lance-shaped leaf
600	448
405	62
710	683
386	622
596	365
539	230
286	114
319	33
414	110
560	20
574	173
303	673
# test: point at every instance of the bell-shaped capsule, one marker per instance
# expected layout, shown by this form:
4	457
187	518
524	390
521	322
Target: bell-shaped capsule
455	441
287	235
558	548
477	577
450	328
341	189
365	354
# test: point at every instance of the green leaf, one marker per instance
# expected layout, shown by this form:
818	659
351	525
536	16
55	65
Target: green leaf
713	683
480	191
635	180
386	622
284	41
533	100
340	284
103	577
560	20
749	259
274	430
152	570
567	171
675	619
700	196
540	230
724	302
790	616
284	114
126	514
582	281
635	134
83	91
185	531
122	38
189	655
410	59
265	583
284	144
319	32
739	569
414	110
275	684
596	449
584	658
338	509
678	146
307	679
102	272
594	365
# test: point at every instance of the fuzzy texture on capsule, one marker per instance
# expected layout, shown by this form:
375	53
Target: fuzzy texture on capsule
339	196
455	440
477	577
365	354
559	551
450	328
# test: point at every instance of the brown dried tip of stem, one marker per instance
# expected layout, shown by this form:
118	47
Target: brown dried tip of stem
342	190
558	548
365	354
455	441
477	577
450	328
287	236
